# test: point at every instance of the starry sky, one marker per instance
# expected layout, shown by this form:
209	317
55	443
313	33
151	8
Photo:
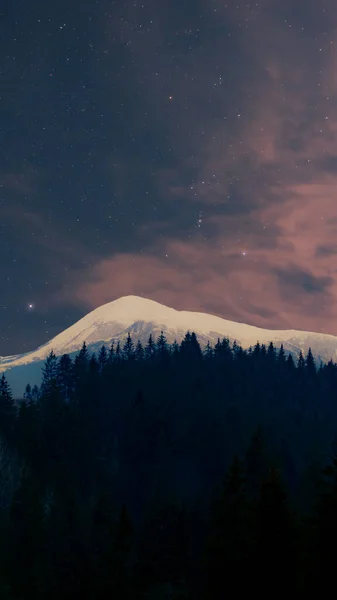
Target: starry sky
183	150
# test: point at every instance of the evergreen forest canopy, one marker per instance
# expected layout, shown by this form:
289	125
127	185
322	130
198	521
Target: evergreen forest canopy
166	471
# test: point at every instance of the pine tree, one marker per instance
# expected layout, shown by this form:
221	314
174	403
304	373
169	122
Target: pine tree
175	351
28	393
6	395
195	347
81	363
226	349
68	561
111	354
26	537
257	349
310	365
139	351
102	358
228	550
290	364
123	547
35	393
217	349
324	531
94	367
128	349
27	431
238	353
7	407
256	463
263	351
235	348
185	344
150	348
162	346
271	353
288	465
49	374
83	354
118	354
275	553
163	552
102	545
65	376
300	364
190	348
281	357
208	351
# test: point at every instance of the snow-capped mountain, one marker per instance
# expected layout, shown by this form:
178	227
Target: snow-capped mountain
140	317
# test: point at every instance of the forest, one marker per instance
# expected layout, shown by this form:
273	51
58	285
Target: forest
170	471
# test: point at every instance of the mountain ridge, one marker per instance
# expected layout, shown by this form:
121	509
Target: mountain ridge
141	316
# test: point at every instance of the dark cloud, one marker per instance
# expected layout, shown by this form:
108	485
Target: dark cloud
328	164
301	281
326	250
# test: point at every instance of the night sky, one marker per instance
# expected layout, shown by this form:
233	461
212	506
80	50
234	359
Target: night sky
183	150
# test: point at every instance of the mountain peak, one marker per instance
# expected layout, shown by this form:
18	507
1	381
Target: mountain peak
142	316
135	301
128	309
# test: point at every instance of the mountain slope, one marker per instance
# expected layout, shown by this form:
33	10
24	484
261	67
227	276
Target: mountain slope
141	316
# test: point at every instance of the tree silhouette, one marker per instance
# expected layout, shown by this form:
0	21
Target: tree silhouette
162	346
271	353
281	357
49	374
28	393
274	558
102	357
139	351
228	548
190	350
7	407
111	354
150	347
118	354
300	363
128	348
310	365
64	376
325	530
81	363
157	435
209	351
256	463
35	393
122	562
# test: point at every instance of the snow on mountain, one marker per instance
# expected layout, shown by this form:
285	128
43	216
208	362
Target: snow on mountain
141	316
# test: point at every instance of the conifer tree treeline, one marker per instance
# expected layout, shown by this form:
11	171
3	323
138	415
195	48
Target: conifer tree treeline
168	471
